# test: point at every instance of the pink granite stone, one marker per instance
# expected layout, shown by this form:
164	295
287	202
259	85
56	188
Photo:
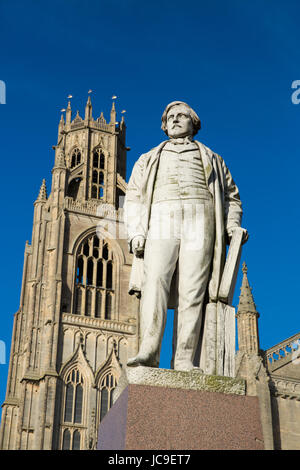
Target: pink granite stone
156	418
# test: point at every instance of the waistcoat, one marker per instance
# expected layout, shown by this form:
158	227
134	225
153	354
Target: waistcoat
180	174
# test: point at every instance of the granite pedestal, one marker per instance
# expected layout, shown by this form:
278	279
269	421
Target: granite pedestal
162	409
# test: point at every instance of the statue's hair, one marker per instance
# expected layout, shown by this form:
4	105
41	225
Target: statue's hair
195	119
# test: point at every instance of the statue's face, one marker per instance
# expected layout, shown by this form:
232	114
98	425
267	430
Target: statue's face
179	122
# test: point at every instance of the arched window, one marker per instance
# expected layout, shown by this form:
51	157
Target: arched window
73	410
98	159
69	402
104	403
76	440
97	177
94	279
75	157
73	397
107	386
66	440
78	404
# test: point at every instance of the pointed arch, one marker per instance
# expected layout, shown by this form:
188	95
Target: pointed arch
77	379
73	412
107	386
98	173
111	363
66	439
78	359
75	157
76	440
106	381
117	249
99	157
96	275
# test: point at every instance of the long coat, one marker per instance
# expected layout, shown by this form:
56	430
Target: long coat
137	211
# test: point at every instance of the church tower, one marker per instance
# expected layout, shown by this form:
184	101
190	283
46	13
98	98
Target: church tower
76	324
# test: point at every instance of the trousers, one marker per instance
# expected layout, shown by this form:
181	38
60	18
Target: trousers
181	235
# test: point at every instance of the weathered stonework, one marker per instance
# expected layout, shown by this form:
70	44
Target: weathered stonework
191	380
76	323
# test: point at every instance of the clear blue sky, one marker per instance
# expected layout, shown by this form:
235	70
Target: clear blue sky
234	61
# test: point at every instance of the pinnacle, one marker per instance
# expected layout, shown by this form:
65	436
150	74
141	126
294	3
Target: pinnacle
43	192
244	268
246	303
113	114
88	109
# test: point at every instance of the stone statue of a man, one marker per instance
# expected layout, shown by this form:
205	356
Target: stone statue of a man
181	207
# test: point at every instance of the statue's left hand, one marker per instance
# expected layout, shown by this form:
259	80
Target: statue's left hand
245	234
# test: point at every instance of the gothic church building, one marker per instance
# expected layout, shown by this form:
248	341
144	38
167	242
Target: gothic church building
76	323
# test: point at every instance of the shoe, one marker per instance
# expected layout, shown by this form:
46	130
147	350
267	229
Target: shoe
141	360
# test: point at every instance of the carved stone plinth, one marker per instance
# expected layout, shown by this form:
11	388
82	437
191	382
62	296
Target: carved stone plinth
163	409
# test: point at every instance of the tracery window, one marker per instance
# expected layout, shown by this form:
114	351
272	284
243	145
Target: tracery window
72	420
75	157
107	386
94	279
97	188
66	439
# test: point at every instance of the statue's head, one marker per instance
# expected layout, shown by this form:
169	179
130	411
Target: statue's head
180	120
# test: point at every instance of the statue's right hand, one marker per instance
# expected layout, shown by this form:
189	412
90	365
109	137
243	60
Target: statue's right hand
138	245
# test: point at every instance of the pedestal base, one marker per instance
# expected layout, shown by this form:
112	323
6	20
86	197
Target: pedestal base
200	412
